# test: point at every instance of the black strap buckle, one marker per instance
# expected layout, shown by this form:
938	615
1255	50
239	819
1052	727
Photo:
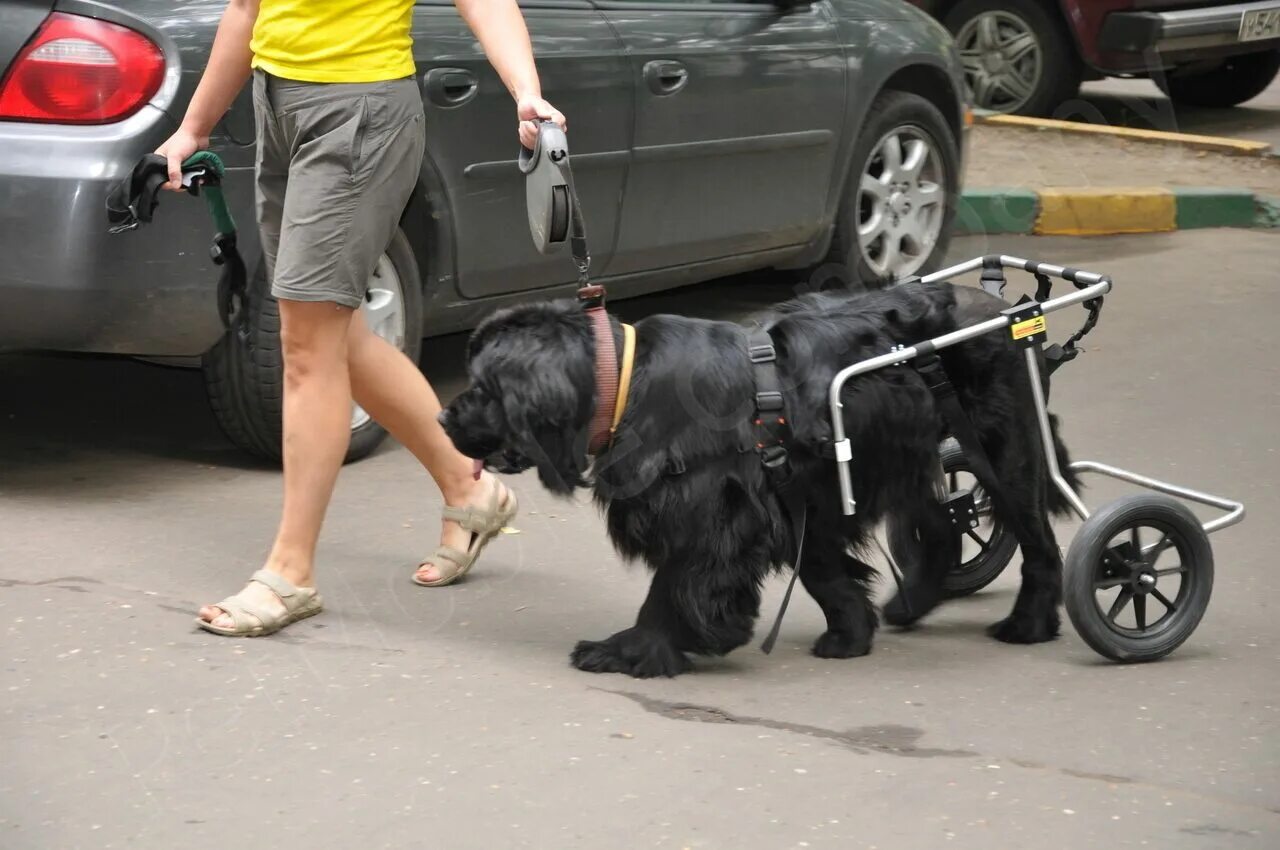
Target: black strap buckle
768	401
773	456
762	354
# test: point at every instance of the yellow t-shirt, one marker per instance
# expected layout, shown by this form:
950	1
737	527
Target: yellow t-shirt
334	41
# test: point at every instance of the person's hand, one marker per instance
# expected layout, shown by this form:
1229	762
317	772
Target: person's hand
531	109
177	149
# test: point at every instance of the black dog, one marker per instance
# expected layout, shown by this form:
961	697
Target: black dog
683	487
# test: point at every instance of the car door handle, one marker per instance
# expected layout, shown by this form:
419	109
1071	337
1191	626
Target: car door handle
664	76
450	86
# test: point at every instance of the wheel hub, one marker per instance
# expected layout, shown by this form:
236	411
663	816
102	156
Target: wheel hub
1144	580
899	203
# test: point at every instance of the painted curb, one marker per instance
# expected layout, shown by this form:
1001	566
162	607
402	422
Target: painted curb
1104	211
1222	144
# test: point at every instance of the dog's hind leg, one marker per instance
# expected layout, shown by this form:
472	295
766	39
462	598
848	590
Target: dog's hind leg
936	551
838	582
1034	618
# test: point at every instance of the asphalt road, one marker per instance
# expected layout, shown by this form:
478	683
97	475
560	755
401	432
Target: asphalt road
1138	103
408	718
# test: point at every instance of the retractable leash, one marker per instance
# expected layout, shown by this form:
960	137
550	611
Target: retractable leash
555	218
133	201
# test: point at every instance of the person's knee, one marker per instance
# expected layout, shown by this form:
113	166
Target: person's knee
313	339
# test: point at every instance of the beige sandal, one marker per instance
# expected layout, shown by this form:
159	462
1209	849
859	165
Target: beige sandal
483	523
249	619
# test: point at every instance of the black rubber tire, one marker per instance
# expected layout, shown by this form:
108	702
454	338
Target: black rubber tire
970	576
1237	79
244	371
1061	70
1085	558
978	572
844	264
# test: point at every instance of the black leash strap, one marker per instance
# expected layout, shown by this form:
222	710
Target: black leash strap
578	226
798	511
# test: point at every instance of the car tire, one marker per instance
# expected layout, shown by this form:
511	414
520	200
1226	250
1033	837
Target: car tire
244	371
1231	83
852	258
1018	56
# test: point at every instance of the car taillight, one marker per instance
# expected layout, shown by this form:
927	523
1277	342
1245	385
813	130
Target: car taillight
79	70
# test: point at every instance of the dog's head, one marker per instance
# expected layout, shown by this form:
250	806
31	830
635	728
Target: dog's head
531	393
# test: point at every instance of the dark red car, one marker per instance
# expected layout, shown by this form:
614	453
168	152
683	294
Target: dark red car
1028	56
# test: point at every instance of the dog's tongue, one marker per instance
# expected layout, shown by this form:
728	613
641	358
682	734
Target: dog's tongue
477	467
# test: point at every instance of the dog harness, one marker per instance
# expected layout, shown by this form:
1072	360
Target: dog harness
772	435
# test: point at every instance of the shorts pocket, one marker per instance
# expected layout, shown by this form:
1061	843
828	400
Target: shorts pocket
358	139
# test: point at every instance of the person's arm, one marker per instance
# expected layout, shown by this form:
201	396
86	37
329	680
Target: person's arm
225	74
500	29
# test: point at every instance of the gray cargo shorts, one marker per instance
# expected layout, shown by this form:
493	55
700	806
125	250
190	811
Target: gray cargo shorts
336	165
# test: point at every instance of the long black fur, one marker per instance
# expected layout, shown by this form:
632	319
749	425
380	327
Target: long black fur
684	491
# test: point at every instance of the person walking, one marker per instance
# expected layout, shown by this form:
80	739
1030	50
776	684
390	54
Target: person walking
340	140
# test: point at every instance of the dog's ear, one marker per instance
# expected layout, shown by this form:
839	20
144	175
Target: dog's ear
543	415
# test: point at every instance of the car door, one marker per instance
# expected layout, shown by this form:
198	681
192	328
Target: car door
739	107
471	138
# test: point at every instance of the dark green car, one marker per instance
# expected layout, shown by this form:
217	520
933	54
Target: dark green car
708	138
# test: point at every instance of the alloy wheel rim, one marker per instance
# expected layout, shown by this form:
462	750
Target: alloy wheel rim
384	313
901	202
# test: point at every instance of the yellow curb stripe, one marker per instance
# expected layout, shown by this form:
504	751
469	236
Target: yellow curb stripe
1215	143
1098	212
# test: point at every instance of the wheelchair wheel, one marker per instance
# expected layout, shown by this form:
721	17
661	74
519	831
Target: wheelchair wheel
985	550
1138	577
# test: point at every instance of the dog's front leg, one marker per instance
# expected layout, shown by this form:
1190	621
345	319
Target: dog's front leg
649	648
838	582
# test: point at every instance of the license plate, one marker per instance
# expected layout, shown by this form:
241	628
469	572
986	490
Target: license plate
1260	24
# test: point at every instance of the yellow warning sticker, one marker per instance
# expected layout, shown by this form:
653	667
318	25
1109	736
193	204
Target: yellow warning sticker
1028	327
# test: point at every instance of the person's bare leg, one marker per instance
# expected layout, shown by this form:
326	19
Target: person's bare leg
391	388
317	429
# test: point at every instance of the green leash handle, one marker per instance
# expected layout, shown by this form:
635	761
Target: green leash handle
211	184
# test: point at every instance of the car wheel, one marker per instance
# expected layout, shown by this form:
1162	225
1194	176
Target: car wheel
244	372
1231	83
895	214
1017	56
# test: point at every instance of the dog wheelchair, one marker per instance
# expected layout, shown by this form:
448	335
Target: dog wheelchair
1131	597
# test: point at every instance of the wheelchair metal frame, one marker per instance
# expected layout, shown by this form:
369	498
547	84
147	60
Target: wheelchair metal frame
1095	286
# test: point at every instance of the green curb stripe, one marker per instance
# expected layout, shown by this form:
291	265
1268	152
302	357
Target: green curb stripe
996	211
1214	208
1267	212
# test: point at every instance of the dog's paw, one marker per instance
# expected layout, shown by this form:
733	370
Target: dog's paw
923	600
1024	628
832	644
635	654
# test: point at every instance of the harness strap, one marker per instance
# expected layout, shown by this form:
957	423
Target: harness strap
1055	355
935	377
773	433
